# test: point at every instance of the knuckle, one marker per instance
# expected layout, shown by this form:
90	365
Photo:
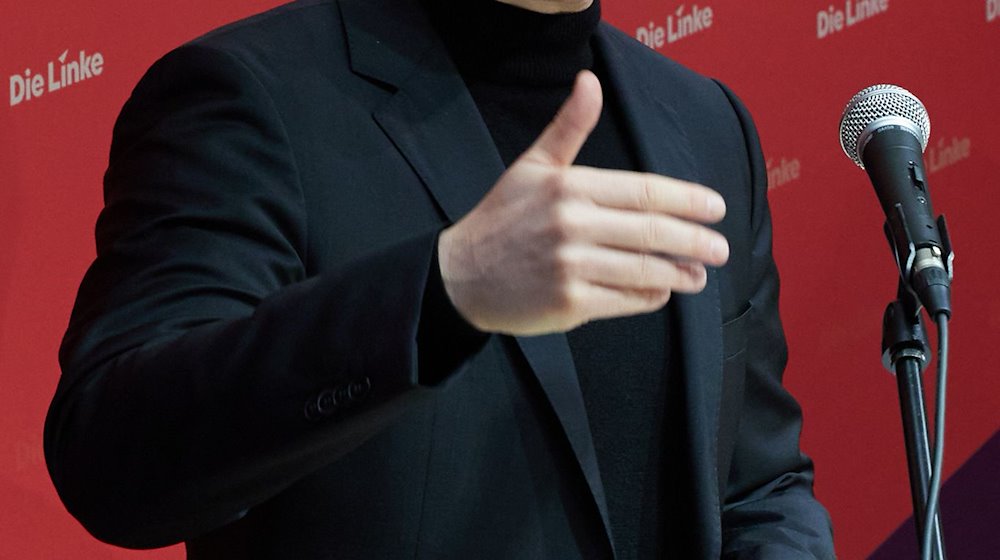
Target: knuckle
650	233
662	275
562	222
565	298
557	185
564	265
647	192
644	271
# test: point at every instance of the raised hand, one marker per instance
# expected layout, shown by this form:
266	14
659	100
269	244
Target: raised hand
553	245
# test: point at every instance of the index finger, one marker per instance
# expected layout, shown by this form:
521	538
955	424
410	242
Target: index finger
647	192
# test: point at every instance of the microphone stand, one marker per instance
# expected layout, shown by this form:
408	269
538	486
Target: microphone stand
904	353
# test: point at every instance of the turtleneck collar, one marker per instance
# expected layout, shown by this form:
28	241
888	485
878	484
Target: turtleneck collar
504	44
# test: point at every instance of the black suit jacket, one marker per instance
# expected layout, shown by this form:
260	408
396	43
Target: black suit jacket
241	368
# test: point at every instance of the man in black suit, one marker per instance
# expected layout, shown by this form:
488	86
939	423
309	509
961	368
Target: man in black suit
357	297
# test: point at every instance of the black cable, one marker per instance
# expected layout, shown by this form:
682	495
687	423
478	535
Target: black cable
934	492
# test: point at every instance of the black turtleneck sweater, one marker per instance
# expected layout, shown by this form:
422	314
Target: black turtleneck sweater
519	67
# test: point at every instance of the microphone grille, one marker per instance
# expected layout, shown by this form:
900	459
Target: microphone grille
876	103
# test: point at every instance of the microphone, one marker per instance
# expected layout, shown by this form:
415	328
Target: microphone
884	130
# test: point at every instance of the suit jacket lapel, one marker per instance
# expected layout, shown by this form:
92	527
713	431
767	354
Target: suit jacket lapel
434	123
552	363
432	120
663	148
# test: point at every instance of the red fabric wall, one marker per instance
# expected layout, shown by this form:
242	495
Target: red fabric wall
791	65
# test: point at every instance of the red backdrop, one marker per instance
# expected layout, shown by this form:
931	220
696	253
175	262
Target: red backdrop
795	64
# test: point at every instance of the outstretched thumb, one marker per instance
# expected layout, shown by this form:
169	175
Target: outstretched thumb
562	139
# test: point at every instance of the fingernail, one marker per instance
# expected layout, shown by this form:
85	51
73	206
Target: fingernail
699	272
716	206
720	250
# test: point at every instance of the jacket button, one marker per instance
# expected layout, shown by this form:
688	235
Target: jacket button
311	412
326	403
342	395
359	389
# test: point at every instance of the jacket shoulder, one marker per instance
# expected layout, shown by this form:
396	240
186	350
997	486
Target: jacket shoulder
275	28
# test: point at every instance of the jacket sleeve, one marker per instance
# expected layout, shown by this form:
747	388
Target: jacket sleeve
203	372
769	511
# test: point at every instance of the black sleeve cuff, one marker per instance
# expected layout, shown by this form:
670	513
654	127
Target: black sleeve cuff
445	340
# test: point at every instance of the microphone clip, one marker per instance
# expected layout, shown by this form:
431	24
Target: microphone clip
925	271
